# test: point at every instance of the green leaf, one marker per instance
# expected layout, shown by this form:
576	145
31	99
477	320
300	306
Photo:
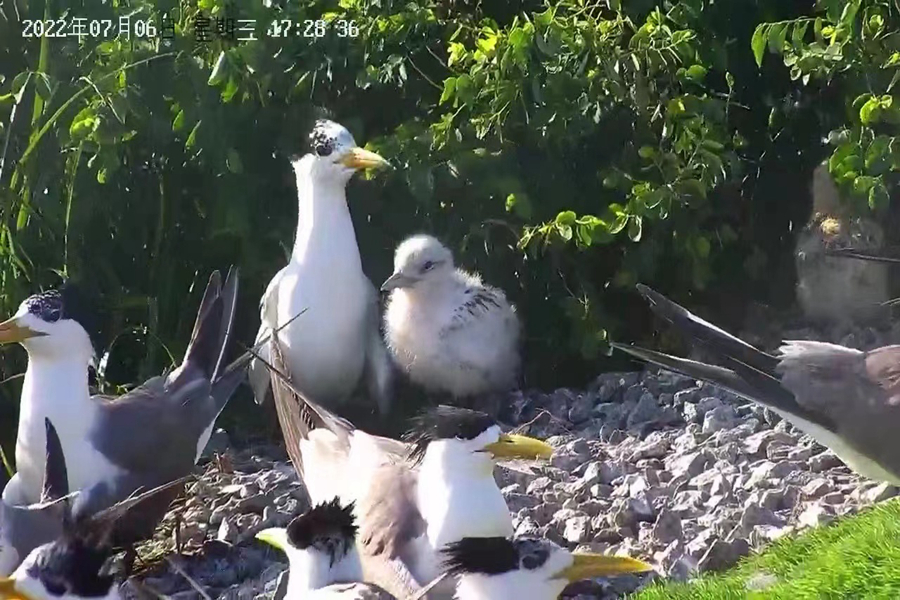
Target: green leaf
566	217
178	123
19	84
879	198
42	85
702	246
218	73
233	161
449	89
192	138
618	224
647	152
758	42
697	72
870	111
635	228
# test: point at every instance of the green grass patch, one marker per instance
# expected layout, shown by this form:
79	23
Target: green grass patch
857	557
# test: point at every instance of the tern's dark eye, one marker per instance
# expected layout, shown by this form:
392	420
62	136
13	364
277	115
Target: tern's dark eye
323	149
429	265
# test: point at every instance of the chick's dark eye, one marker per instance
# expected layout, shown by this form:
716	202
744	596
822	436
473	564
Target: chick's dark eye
323	149
428	265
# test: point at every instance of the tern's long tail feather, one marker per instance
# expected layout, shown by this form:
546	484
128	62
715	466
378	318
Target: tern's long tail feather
212	328
750	373
719	340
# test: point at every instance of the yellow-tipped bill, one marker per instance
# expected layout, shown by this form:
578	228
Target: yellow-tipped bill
360	158
511	445
587	566
275	536
8	590
12	331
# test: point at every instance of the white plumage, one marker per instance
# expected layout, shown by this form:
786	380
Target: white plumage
445	328
336	341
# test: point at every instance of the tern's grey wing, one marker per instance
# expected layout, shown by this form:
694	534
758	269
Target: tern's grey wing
389	521
388	516
379	369
150	430
23	528
350	591
268	318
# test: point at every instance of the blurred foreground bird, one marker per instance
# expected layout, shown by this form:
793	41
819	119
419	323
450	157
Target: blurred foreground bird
115	446
323	561
410	498
337	343
848	400
525	568
79	562
829	289
445	328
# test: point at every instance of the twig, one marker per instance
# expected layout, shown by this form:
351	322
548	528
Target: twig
189	579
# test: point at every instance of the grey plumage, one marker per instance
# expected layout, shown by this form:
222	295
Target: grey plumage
848	400
154	434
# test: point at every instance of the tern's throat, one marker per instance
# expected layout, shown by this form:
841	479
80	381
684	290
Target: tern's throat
313	570
55	388
325	231
458	496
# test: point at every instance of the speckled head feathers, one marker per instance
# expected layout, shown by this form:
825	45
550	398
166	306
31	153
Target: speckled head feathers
329	528
327	136
444	423
68	301
75	567
495	555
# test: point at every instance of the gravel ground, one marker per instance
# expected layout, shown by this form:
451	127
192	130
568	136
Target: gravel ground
658	466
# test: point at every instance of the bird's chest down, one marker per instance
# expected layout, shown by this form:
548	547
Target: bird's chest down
325	346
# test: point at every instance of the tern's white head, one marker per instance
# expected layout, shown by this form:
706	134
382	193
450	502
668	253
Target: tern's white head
525	568
334	154
463	438
321	547
67	569
420	260
52	324
456	492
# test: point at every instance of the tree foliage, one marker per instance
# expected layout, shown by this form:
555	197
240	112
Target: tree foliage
565	149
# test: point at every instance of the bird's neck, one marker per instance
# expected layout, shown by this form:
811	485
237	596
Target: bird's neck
54	388
458	496
323	218
313	570
52	385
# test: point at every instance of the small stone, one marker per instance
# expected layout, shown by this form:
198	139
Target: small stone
824	461
228	532
723	555
667	527
815	514
720	417
880	493
689	465
655	446
817	487
577	530
833	498
756	515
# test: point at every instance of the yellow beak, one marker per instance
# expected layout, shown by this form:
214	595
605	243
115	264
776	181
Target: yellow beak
511	445
587	566
359	158
275	536
12	331
8	590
